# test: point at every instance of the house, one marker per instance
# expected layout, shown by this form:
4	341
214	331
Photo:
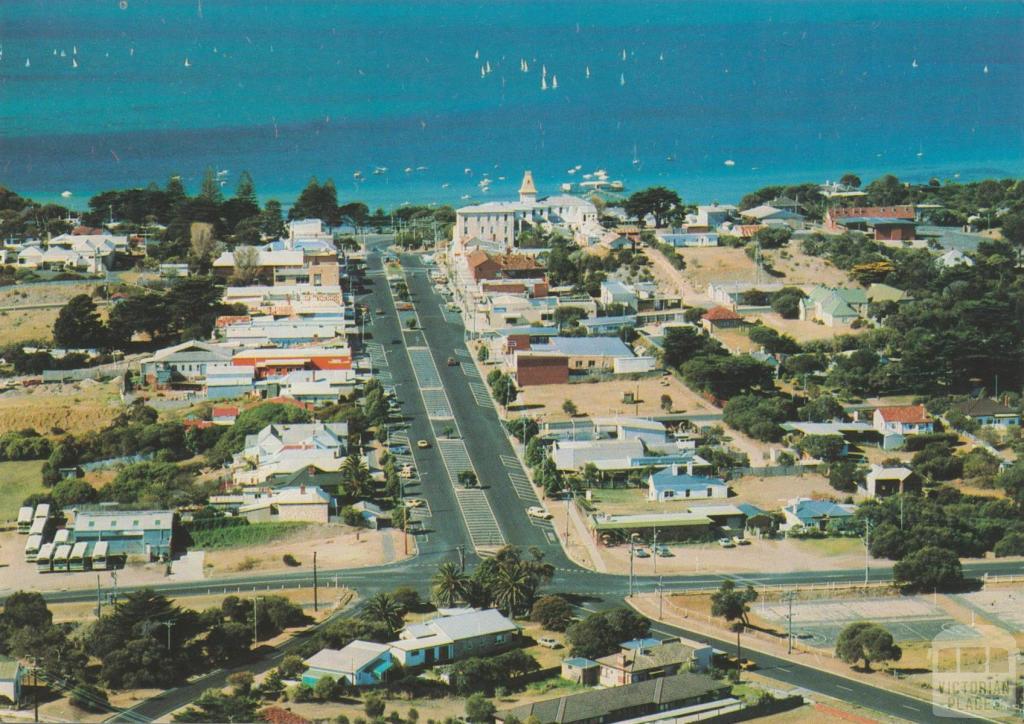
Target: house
598	326
374	516
683	697
361	663
671	484
650	660
833	306
148	533
814	513
881	482
720	318
953	258
224	414
483	265
903	420
454	635
307	504
986	412
689	239
587	353
766	214
184	363
887	223
277	362
285	448
624	455
616	292
224	381
11	675
713	216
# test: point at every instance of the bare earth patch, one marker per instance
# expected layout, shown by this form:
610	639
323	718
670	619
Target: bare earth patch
605	398
75	408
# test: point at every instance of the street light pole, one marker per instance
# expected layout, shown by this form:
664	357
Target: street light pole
632	539
316	591
255	622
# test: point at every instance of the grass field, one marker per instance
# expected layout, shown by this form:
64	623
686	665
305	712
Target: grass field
243	535
18	480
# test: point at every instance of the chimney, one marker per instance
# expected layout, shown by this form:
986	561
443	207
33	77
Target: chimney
302	489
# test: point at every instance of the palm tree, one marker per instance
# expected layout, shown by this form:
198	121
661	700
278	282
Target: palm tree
358	483
383	607
513	588
450	584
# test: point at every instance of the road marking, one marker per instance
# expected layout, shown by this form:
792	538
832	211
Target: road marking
844	688
912	708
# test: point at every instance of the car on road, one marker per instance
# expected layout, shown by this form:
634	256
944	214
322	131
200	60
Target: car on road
422	444
414	502
535	511
726	543
452	362
740	541
452	307
641	553
379	310
399	449
548	642
663	552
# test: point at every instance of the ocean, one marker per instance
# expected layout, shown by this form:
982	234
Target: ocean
713	99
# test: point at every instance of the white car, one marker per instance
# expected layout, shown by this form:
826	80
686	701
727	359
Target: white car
535	511
548	642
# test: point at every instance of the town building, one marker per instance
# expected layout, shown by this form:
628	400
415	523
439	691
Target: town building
650	659
883	481
720	318
11	675
903	420
833	306
147	533
689	240
361	663
454	635
953	258
307	504
184	363
814	513
503	222
770	215
683	697
672	484
987	412
885	223
285	448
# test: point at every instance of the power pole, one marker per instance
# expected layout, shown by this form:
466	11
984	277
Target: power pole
661	597
35	688
654	550
789	598
99	597
316	587
631	543
168	625
867	548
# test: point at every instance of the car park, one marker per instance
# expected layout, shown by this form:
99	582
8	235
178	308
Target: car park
536	511
399	449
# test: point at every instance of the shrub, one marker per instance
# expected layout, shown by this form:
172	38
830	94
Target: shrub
289	560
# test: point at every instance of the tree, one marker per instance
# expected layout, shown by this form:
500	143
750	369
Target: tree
88	697
929	569
684	343
534	452
467	479
449	584
356	476
247	264
552	612
867	641
786	302
1012	481
483	353
850	179
479	708
824	408
600	634
384	608
773	237
327	689
732	604
504	389
271	221
827	448
78	324
215	705
69	492
210	188
666	403
373	705
846	475
569	408
886	191
291	666
246	189
569	316
656	201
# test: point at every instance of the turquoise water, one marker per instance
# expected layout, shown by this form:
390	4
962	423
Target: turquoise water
787	91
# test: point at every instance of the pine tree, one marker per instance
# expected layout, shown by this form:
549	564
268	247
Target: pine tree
210	190
246	189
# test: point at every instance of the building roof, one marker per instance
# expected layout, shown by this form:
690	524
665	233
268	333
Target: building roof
905	414
880	472
601	704
527	186
721	314
877	212
670	479
225	411
806	509
350	659
886	293
461	625
769	212
9	668
586	347
623	320
983	407
120	520
651	520
648	656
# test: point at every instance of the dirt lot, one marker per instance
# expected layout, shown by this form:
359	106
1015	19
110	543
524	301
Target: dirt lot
802	330
605	398
26	325
337	546
772	493
75	408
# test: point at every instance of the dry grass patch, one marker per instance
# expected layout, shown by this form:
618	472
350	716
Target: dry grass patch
75	408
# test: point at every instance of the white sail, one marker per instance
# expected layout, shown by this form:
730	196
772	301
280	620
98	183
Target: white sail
74	50
187	64
914	64
476	55
588	71
622	79
488	66
483	73
985	70
543	71
28	63
74	62
543	83
554	82
661	57
623	53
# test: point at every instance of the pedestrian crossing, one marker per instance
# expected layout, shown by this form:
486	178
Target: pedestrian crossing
476	509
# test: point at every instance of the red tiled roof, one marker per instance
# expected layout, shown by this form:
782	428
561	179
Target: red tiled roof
277	715
476	258
517	261
720	314
225	411
905	413
226	320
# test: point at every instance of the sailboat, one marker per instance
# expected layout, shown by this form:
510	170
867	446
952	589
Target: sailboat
661	57
543	83
54	51
74	62
483	73
985	70
554	82
543	71
636	159
588	72
622	79
131	52
187	64
476	55
63	54
488	66
28	63
74	50
914	64
623	53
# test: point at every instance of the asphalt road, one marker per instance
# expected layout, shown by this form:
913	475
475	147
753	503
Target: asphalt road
445	530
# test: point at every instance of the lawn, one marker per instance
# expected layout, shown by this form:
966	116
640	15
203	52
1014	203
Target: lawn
18	480
243	535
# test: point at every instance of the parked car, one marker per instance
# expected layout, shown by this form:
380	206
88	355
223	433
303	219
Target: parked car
422	444
452	362
726	543
663	552
548	642
415	502
406	471
399	450
641	553
379	310
740	541
535	511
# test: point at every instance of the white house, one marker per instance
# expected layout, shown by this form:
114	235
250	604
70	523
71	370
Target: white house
674	483
903	420
454	635
953	258
361	663
283	448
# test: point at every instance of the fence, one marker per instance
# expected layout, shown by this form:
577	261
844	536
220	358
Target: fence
114	462
774	471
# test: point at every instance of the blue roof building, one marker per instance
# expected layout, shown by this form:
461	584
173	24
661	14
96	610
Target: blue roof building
814	513
607	325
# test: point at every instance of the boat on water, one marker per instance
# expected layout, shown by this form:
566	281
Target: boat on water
622	79
554	82
487	67
985	70
587	72
74	62
187	64
914	64
616	186
28	63
729	162
483	73
543	83
566	187
380	170
358	175
623	53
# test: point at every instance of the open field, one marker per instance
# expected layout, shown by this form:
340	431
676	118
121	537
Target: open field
18	480
28	325
75	408
42	293
799	268
604	398
772	493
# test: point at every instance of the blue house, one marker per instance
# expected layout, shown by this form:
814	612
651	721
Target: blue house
672	484
814	513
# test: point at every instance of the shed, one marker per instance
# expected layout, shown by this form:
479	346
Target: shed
580	670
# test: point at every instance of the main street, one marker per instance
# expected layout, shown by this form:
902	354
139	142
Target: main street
453	522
